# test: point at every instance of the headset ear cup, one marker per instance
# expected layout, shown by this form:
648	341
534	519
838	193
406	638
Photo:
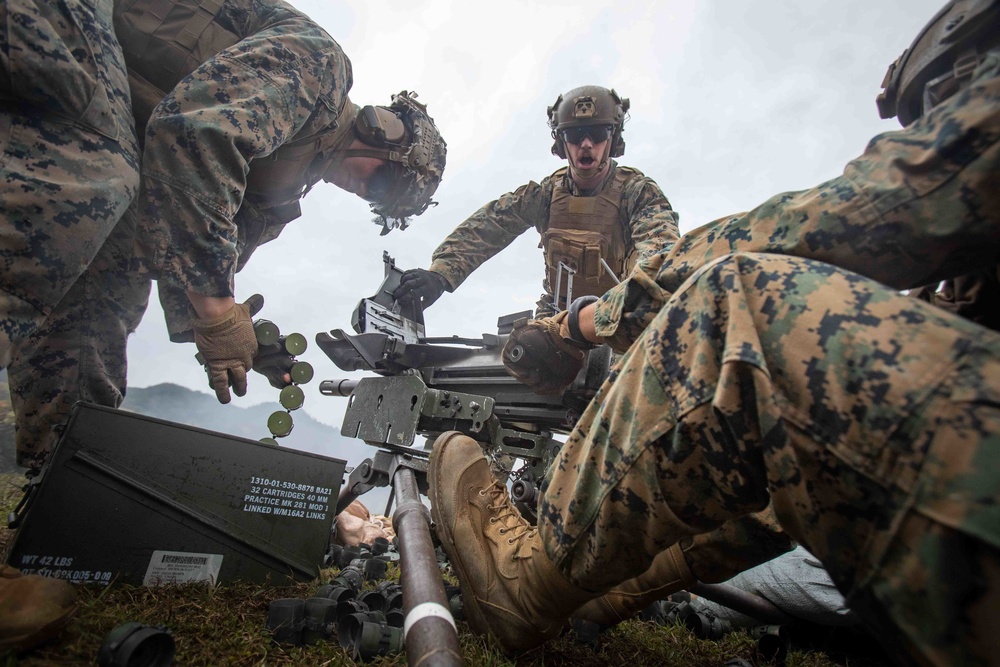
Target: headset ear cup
617	144
558	148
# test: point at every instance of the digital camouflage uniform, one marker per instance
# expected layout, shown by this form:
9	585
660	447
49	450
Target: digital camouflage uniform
867	419
650	225
70	160
201	213
914	209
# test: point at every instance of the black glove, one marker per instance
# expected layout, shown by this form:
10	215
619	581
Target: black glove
540	354
273	362
421	285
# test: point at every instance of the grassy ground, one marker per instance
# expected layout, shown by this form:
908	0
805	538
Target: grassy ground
226	626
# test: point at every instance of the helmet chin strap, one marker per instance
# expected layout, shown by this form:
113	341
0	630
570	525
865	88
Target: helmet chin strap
593	171
369	151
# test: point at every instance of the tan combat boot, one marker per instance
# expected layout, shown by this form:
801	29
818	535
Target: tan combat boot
32	608
510	588
668	574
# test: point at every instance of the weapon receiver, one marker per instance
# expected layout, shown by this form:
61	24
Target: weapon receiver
425	386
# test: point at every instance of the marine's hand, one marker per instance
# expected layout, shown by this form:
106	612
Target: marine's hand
540	354
273	362
421	285
227	344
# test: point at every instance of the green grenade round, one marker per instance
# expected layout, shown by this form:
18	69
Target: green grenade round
266	331
291	397
301	372
279	424
295	344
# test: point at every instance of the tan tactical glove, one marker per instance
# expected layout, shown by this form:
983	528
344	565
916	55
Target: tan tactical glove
227	345
540	354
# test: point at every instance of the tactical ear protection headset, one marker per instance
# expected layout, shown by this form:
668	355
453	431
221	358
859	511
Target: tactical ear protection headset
379	127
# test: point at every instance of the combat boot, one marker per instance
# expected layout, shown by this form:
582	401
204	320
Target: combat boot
32	608
668	574
510	588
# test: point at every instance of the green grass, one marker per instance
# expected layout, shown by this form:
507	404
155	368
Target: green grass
226	626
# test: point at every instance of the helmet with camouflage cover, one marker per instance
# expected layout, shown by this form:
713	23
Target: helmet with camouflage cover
405	136
588	105
940	61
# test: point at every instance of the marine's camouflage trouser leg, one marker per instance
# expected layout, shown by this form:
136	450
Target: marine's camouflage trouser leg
735	546
68	154
869	420
79	352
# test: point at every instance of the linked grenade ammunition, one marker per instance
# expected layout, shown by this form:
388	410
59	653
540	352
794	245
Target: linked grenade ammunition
301	372
266	331
279	424
292	397
295	344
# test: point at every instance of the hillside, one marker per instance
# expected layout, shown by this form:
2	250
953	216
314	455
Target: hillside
186	406
182	405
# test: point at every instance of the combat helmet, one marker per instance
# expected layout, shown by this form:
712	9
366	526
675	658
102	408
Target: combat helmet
406	136
588	105
940	61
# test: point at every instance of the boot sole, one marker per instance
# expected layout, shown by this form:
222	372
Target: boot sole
470	603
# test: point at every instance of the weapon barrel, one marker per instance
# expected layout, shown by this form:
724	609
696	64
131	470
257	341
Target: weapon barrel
431	637
337	387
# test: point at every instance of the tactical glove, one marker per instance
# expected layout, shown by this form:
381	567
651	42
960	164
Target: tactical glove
227	345
273	362
421	285
540	354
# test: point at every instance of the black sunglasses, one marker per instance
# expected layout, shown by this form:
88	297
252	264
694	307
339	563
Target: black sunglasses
597	134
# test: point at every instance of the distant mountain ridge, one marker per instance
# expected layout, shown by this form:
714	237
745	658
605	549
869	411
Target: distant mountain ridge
185	406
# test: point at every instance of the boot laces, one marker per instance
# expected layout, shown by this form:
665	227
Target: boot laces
507	515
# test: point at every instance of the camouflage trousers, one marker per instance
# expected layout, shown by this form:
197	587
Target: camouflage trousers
79	352
69	162
869	421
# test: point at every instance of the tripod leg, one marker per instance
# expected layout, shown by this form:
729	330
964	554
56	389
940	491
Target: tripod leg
429	629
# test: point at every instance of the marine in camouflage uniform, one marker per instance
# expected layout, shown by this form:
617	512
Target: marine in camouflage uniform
645	215
69	170
70	163
619	217
242	107
769	367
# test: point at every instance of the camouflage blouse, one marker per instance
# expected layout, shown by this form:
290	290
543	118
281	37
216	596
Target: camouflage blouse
645	213
917	207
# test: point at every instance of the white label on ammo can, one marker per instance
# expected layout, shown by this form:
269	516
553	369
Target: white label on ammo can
177	567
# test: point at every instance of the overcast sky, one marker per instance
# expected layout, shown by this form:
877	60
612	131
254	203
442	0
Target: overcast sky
732	101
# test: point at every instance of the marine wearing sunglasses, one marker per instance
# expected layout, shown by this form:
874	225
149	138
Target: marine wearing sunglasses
596	134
